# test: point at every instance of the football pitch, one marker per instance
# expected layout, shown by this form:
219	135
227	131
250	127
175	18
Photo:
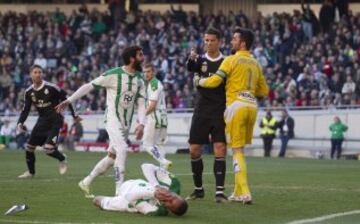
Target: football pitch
284	191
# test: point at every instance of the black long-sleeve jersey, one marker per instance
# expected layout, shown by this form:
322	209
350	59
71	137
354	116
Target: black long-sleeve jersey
45	98
209	102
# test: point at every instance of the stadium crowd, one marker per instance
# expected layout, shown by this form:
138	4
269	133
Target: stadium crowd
307	62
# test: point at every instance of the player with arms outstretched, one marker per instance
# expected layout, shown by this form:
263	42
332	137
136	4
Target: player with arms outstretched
244	83
124	90
44	96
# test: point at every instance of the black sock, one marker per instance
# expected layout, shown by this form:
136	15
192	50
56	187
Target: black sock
54	152
197	170
30	161
219	172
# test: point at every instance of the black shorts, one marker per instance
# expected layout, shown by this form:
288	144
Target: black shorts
203	128
46	131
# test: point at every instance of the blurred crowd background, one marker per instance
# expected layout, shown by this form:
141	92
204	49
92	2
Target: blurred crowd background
308	59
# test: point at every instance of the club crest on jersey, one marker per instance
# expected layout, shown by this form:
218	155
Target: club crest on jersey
204	67
33	98
127	99
46	91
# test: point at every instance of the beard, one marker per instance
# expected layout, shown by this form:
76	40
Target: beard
137	66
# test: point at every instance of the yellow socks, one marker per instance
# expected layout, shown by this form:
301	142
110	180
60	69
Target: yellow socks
241	183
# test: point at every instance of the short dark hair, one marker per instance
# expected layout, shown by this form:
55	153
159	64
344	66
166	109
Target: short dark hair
35	66
247	35
214	31
130	52
182	209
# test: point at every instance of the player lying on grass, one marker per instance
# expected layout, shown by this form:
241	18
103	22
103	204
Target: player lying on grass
155	197
155	175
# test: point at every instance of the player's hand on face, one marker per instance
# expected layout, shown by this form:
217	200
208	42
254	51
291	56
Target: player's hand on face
193	55
139	131
162	194
61	106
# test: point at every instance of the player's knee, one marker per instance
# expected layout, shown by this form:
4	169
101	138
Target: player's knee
195	151
219	149
111	155
49	149
30	148
195	155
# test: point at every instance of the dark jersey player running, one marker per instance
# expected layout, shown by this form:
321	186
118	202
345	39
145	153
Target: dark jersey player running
208	118
44	96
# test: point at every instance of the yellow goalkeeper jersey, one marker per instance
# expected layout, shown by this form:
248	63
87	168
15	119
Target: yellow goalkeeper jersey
244	78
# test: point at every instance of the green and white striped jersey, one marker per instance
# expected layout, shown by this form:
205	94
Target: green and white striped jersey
138	196
123	90
155	92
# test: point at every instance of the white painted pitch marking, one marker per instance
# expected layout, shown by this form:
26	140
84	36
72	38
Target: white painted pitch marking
325	217
46	222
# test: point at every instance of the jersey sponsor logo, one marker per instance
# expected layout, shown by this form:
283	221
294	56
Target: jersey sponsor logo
46	91
33	98
127	99
204	67
42	104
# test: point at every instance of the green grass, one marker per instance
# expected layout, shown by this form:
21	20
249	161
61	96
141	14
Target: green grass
283	189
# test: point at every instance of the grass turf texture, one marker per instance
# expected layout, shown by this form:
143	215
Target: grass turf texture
283	189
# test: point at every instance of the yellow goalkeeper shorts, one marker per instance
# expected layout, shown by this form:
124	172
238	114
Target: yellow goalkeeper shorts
240	118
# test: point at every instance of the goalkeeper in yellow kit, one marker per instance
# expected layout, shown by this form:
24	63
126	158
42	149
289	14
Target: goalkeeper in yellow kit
245	83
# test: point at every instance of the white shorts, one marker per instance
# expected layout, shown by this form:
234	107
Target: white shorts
153	136
117	135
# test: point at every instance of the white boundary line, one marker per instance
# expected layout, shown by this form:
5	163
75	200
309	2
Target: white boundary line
325	217
46	222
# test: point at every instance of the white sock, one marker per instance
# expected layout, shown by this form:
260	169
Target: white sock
155	153
100	168
119	168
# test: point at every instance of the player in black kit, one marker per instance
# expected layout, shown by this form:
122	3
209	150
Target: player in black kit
208	118
44	96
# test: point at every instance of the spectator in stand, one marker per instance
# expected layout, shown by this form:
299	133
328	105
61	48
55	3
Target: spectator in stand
327	15
337	130
6	132
286	126
74	49
75	133
63	135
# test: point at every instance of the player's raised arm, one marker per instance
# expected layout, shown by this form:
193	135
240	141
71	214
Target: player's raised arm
192	64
